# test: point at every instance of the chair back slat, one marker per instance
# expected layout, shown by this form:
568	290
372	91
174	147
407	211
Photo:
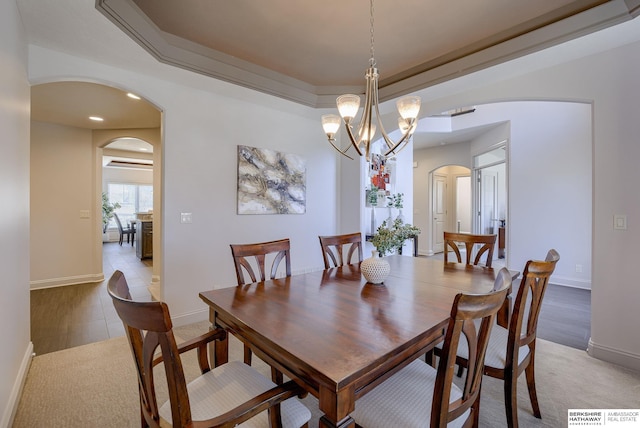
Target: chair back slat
528	302
333	249
470	241
250	258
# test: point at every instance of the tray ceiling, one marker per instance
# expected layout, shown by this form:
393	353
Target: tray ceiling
309	52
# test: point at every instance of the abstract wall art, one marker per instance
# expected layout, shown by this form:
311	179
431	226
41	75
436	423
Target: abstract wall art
270	182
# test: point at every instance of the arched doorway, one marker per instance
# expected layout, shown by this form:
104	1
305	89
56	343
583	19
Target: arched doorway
450	203
66	205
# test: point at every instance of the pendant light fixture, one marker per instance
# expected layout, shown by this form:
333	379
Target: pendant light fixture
349	104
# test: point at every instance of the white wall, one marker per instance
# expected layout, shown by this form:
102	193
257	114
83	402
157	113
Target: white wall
609	81
549	167
202	128
16	348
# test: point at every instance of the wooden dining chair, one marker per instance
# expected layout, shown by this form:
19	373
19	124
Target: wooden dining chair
227	395
469	240
252	260
513	350
333	249
128	231
419	395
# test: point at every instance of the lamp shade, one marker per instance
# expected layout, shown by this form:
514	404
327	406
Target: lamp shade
367	133
348	106
408	107
330	124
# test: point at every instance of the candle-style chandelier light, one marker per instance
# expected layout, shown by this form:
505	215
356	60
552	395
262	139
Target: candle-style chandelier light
349	104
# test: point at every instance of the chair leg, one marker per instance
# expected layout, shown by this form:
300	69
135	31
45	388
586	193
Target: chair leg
531	386
511	399
276	376
247	355
430	359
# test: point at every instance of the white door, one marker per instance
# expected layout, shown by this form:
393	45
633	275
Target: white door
439	211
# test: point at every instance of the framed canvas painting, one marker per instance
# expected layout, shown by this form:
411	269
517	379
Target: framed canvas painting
270	182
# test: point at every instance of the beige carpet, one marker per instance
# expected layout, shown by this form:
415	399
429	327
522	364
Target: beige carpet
95	385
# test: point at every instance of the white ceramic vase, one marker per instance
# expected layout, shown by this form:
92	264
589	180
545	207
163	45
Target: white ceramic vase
389	219
375	269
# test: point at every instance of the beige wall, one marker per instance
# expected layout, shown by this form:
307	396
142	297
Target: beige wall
64	215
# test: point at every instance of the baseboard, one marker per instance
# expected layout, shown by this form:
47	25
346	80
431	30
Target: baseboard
191	317
16	392
69	280
570	282
615	356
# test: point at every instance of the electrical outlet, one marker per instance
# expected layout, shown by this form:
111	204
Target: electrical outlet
578	268
186	218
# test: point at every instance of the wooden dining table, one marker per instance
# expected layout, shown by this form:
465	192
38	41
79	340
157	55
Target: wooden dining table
339	336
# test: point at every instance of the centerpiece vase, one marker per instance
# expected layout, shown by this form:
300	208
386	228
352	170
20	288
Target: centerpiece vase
375	269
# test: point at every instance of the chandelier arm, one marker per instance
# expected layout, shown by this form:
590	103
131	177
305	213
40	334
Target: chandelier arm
342	152
354	142
395	150
390	144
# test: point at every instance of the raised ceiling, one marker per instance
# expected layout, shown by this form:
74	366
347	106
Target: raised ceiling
309	52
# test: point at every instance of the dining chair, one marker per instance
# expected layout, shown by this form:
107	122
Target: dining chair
124	230
252	258
451	240
333	247
227	395
419	395
512	350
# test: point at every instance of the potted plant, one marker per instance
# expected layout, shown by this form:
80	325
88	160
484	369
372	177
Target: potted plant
107	211
398	204
386	240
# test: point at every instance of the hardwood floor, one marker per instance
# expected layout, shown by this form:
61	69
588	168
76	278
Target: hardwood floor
565	316
65	317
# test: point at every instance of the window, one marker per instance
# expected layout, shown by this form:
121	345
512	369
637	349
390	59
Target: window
133	198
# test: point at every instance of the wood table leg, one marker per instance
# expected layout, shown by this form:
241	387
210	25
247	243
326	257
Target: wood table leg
218	349
337	407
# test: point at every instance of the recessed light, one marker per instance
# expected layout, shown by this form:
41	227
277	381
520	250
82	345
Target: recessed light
134	96
96	118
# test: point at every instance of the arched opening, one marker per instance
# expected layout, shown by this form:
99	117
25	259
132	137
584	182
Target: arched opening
66	233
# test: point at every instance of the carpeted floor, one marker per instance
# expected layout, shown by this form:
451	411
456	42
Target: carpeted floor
95	385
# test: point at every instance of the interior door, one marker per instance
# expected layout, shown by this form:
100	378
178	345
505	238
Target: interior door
439	212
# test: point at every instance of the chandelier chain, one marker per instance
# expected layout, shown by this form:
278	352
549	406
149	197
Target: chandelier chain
372	60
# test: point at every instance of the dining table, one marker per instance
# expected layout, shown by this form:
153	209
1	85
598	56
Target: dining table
337	335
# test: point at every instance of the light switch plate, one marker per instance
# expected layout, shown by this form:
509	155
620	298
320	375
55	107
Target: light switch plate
620	222
186	218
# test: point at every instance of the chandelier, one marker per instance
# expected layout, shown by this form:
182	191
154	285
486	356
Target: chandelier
349	104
